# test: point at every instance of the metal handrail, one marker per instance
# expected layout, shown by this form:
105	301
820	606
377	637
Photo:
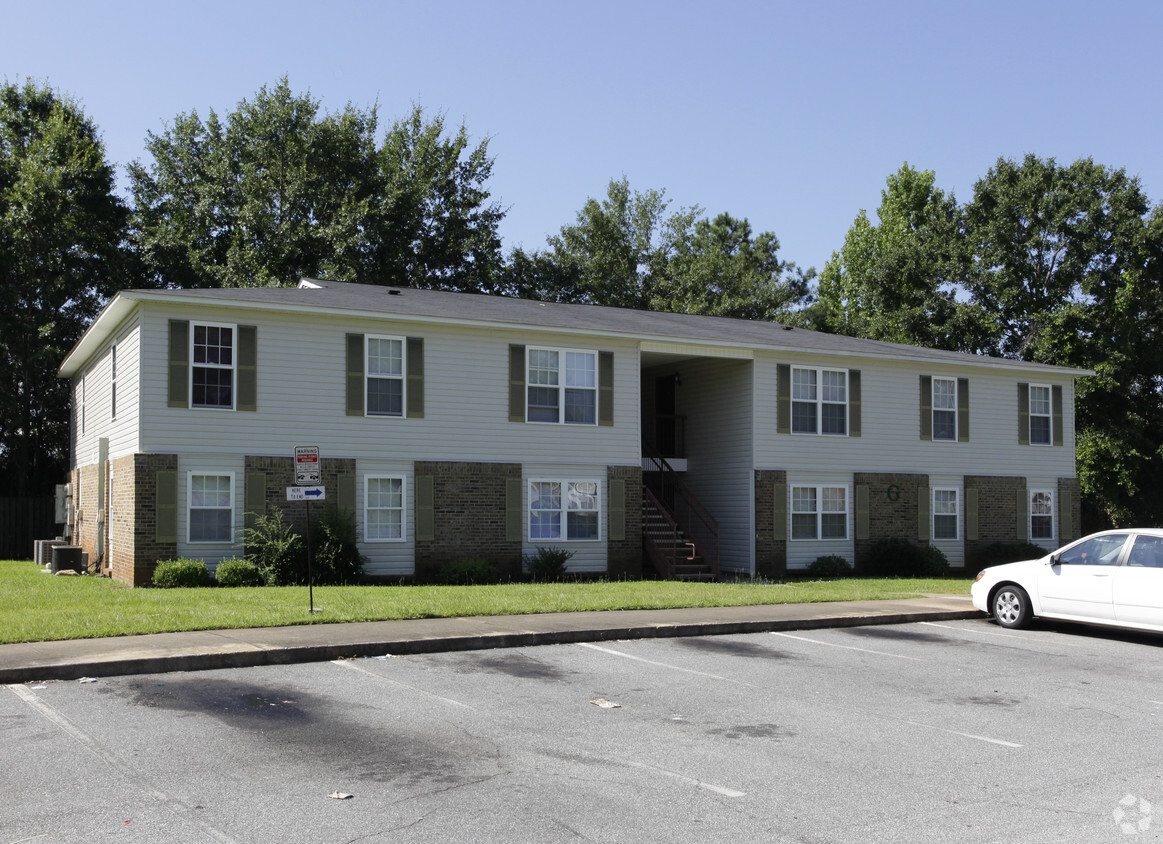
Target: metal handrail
699	523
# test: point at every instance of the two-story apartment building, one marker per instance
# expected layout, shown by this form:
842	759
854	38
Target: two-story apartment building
456	425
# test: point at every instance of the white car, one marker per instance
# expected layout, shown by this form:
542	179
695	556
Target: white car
1112	578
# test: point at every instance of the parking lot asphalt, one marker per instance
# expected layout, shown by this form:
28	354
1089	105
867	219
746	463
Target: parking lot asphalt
212	649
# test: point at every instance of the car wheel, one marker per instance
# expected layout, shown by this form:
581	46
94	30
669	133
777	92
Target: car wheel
1011	606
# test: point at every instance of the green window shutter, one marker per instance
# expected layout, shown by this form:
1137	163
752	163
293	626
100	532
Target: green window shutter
415	409
617	508
605	388
927	407
1023	515
962	410
425	509
779	512
345	492
1023	414
355	388
516	383
1066	529
971	507
247	398
862	511
854	427
514	508
923	503
255	495
1056	405
166	506
179	373
783	399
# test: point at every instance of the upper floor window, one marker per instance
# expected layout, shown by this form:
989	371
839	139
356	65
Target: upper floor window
113	381
945	408
1041	415
385	376
561	386
819	401
212	362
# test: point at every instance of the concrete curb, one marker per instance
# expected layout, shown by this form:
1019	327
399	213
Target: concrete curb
246	655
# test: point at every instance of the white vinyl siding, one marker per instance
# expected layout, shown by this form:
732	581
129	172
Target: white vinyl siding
386	558
95	400
466	389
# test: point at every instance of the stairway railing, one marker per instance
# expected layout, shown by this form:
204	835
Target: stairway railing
691	517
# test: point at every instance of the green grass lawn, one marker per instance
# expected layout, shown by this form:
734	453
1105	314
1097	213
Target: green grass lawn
36	607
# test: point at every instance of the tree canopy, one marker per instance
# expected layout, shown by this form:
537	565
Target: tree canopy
62	255
279	189
625	250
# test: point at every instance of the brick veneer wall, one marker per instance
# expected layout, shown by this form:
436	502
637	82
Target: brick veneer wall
770	553
893	509
135	490
469	518
279	474
84	479
624	557
997	512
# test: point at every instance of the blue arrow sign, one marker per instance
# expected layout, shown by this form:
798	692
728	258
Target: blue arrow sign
313	492
306	493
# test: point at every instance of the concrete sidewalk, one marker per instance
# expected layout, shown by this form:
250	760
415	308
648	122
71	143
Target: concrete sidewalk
207	649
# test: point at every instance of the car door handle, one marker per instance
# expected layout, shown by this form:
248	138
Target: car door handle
1101	574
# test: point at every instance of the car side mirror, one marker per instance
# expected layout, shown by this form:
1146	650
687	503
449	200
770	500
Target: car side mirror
1054	560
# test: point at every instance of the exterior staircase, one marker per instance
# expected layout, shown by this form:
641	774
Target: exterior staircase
679	536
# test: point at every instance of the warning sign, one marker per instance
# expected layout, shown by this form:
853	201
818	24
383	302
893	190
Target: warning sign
307	467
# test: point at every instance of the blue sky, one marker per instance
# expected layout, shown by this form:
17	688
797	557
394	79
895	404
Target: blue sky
789	114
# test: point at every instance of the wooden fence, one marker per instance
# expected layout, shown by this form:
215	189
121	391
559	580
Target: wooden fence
22	521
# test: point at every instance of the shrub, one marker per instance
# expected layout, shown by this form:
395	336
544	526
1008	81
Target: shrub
901	558
175	574
239	573
547	565
1008	552
274	546
467	572
833	565
335	557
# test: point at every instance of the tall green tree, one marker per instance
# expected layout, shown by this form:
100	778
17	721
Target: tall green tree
902	278
625	250
62	232
279	189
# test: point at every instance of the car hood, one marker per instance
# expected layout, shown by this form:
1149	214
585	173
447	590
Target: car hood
1014	569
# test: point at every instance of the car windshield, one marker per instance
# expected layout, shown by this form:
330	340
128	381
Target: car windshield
1099	551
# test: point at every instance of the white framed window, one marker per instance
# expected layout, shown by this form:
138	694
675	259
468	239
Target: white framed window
945	409
384	378
561	386
819	512
819	401
1041	514
113	381
564	510
210	507
212	364
945	513
1041	415
81	393
384	508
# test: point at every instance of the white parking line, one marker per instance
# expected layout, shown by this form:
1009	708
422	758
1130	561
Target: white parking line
658	664
847	647
964	735
351	666
718	789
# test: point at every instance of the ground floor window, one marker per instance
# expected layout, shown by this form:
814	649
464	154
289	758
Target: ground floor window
564	509
384	509
819	512
945	514
1041	514
211	507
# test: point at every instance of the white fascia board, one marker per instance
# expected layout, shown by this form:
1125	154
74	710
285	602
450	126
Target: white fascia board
104	326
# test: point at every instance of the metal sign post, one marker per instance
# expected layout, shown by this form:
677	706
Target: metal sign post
308	480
